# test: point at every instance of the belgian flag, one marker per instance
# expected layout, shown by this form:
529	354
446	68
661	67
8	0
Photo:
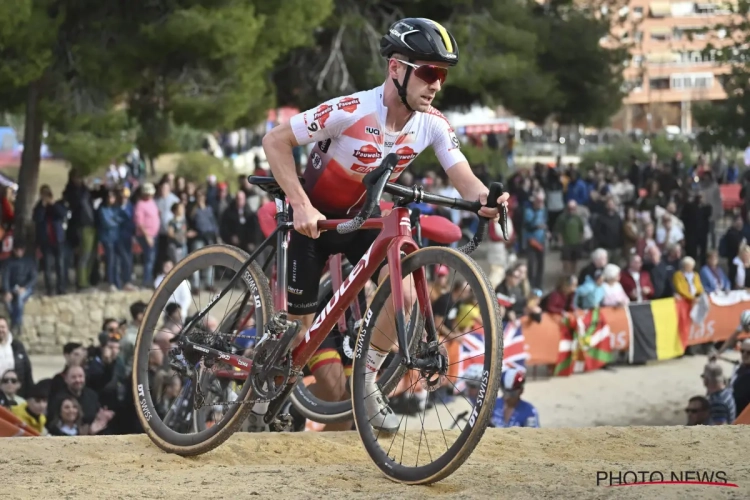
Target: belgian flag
659	329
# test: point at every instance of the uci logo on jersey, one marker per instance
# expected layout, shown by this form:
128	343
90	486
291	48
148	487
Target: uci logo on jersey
372	130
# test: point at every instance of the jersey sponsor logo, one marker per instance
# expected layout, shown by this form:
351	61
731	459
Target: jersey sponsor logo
348	104
324	145
454	139
388	144
372	130
363	169
405	155
367	154
320	117
316	161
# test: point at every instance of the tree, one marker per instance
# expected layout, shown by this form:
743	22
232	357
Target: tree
82	66
728	122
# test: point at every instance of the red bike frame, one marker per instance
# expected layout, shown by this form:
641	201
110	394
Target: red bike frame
395	236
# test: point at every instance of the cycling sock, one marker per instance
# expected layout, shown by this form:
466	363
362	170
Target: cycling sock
375	358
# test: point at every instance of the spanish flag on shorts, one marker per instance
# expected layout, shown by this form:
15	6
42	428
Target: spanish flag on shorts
659	329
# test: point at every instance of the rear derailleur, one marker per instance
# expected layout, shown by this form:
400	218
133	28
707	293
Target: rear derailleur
272	362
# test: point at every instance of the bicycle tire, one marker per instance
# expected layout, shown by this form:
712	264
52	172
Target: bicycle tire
329	412
471	434
203	441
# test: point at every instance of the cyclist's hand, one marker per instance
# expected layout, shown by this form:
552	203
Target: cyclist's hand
492	213
306	221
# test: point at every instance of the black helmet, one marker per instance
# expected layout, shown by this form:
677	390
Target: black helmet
420	39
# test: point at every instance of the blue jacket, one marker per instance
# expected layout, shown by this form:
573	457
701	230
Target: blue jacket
531	218
55	214
711	282
127	226
579	192
108	223
19	272
589	295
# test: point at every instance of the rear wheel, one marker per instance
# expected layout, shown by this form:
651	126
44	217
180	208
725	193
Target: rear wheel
429	456
152	361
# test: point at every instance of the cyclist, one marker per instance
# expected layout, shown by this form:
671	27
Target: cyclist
510	409
731	342
352	135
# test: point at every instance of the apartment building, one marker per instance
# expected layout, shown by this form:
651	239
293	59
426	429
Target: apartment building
669	70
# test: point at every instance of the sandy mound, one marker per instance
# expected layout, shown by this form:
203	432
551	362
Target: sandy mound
523	463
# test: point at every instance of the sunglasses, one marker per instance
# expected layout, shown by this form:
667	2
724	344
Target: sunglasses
9	381
427	72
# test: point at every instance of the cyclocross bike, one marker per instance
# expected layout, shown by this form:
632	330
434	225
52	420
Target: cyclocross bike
275	368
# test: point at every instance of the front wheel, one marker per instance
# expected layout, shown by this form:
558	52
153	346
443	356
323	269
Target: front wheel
469	309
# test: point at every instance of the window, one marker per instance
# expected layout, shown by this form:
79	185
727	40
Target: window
658	83
660	34
637	12
688	81
682	9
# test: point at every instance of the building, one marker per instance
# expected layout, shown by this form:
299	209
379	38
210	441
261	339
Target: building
669	70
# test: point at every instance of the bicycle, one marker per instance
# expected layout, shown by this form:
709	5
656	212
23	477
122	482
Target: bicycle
275	368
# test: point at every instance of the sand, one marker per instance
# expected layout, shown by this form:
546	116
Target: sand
518	464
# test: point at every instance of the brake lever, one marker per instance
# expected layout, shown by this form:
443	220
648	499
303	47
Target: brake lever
504	221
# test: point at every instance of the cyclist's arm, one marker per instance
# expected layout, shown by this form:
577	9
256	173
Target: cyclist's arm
278	145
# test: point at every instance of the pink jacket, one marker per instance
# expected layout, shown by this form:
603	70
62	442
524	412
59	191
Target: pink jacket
146	214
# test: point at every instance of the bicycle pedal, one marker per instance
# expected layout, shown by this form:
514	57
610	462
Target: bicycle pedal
283	423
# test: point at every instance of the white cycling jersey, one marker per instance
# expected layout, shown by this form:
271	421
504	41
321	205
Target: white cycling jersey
352	141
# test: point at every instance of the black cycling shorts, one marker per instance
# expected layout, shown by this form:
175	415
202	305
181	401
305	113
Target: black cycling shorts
307	258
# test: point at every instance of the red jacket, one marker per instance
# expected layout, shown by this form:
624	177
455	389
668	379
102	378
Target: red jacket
557	303
628	284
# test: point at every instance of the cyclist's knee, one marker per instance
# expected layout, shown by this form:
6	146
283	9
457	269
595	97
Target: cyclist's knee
330	380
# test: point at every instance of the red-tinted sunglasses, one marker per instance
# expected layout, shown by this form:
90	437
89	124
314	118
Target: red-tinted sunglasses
427	72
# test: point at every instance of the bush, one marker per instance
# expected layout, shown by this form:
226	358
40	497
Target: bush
619	153
197	166
494	159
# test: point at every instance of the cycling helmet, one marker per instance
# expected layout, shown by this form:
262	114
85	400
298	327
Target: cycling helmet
473	375
745	319
512	379
418	39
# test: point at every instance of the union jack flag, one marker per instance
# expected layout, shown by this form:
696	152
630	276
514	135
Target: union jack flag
514	346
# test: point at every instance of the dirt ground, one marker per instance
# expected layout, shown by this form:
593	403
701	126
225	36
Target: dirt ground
518	464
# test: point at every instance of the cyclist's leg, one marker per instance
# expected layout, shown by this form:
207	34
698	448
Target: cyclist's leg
330	378
305	263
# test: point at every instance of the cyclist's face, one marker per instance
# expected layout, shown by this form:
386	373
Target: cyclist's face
420	94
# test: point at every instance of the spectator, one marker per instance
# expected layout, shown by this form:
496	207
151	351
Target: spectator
535	235
729	246
222	200
50	218
69	420
636	283
696	216
671	265
127	345
124	247
630	234
607	229
7	207
177	234
742	268
75	386
512	287
722	408
75	355
510	410
172	324
165	199
10	384
206	229
181	294
577	189
614	295
32	411
100	368
146	220
712	195
599	259
571	228
19	278
698	411
669	234
646	240
687	282
560	299
239	225
653	199
81	234
590	294
110	219
712	276
740	382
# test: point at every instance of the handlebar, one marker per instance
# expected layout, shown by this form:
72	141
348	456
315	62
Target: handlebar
377	183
